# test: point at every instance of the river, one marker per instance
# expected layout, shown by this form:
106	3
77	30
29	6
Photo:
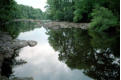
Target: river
66	53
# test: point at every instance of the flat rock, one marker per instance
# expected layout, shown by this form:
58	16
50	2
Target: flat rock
8	47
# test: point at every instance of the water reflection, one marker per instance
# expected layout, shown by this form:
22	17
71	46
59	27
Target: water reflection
96	53
14	28
64	54
8	63
43	63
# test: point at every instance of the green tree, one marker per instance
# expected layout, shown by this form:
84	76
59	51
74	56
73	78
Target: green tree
83	8
26	12
60	10
6	9
103	19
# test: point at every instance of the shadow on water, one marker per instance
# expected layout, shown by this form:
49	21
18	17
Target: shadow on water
97	54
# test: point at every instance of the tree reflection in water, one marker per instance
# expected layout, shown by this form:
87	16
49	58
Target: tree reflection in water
14	28
8	63
95	53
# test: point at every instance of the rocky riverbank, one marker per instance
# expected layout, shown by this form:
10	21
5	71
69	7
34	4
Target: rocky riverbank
8	47
57	25
54	24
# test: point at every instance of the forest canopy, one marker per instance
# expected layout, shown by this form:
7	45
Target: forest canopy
10	10
101	14
26	12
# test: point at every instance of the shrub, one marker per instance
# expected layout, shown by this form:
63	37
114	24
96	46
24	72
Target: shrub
103	19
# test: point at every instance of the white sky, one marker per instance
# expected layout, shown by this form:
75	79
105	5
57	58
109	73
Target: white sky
34	3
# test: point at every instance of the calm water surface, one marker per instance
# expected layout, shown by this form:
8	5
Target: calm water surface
42	60
64	53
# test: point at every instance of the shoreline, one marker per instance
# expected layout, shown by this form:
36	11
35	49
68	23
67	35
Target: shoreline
9	49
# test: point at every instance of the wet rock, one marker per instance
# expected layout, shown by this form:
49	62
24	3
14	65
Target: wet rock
9	48
17	44
32	43
22	43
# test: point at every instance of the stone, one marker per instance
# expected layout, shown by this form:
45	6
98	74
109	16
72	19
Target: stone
32	43
9	48
56	25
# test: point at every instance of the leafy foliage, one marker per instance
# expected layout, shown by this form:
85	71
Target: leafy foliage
103	19
10	10
26	12
60	10
83	9
6	9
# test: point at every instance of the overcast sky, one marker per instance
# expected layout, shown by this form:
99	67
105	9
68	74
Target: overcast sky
34	3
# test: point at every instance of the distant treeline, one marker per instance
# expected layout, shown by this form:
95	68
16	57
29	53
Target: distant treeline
103	14
9	10
26	12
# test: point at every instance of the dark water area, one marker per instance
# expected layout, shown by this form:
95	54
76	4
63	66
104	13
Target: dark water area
64	54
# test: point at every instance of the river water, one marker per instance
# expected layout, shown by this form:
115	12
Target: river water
67	53
42	60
